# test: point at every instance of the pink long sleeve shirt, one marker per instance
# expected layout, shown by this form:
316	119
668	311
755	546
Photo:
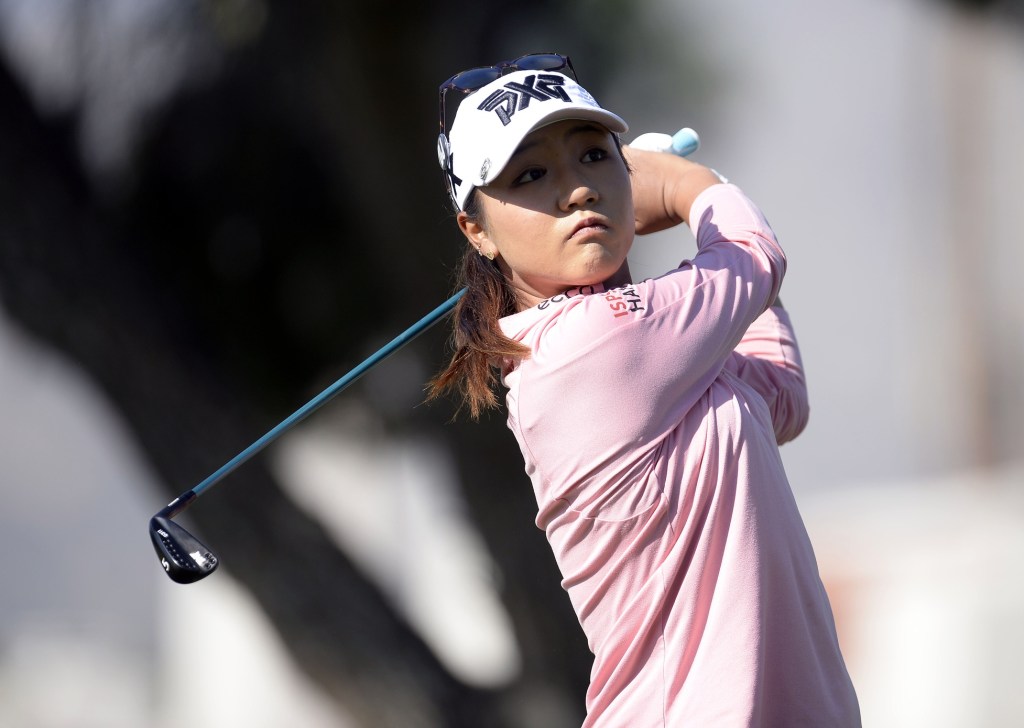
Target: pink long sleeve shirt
649	417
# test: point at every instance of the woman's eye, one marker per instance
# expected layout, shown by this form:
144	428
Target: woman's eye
595	155
534	173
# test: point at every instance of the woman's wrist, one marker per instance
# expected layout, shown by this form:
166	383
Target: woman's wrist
664	188
684	189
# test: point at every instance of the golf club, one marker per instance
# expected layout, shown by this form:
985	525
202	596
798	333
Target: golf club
184	557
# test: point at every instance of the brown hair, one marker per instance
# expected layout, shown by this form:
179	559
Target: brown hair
480	346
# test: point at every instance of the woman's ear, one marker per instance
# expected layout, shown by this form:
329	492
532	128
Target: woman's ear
476	234
471	228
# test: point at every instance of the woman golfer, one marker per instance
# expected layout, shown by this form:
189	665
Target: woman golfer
649	413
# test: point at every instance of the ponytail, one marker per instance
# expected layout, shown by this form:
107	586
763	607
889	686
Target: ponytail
480	346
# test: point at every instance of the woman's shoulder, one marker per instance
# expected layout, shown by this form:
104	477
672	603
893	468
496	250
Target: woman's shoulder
576	320
519	324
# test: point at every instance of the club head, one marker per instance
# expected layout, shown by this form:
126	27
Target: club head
183	556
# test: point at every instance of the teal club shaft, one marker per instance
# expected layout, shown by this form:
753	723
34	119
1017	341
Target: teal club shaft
328	394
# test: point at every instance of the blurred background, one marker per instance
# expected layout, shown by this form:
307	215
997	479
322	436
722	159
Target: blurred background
211	209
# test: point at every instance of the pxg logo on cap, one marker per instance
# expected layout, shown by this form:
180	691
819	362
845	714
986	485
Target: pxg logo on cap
515	96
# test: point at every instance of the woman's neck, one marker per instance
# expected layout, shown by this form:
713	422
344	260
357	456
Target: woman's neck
621	277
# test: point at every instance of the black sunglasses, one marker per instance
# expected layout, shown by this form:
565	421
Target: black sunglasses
468	81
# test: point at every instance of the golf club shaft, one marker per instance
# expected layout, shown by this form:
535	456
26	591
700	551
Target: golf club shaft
319	401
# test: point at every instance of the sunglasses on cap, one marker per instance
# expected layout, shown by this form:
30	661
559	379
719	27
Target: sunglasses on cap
466	82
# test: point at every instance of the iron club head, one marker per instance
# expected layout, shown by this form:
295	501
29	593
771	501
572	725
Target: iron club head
184	557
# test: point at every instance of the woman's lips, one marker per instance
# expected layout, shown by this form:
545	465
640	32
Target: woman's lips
587	226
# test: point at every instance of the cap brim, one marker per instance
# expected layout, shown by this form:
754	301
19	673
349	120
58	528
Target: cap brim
605	118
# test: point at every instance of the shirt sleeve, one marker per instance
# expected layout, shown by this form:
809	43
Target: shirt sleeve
768	359
653	348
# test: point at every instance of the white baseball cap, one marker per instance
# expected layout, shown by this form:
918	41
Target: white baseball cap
492	122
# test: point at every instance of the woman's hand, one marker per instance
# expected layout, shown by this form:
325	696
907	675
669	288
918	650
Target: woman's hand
664	188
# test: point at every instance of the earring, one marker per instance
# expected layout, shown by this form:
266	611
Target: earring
489	254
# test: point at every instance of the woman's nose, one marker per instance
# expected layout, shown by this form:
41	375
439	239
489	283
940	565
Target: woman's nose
580	194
